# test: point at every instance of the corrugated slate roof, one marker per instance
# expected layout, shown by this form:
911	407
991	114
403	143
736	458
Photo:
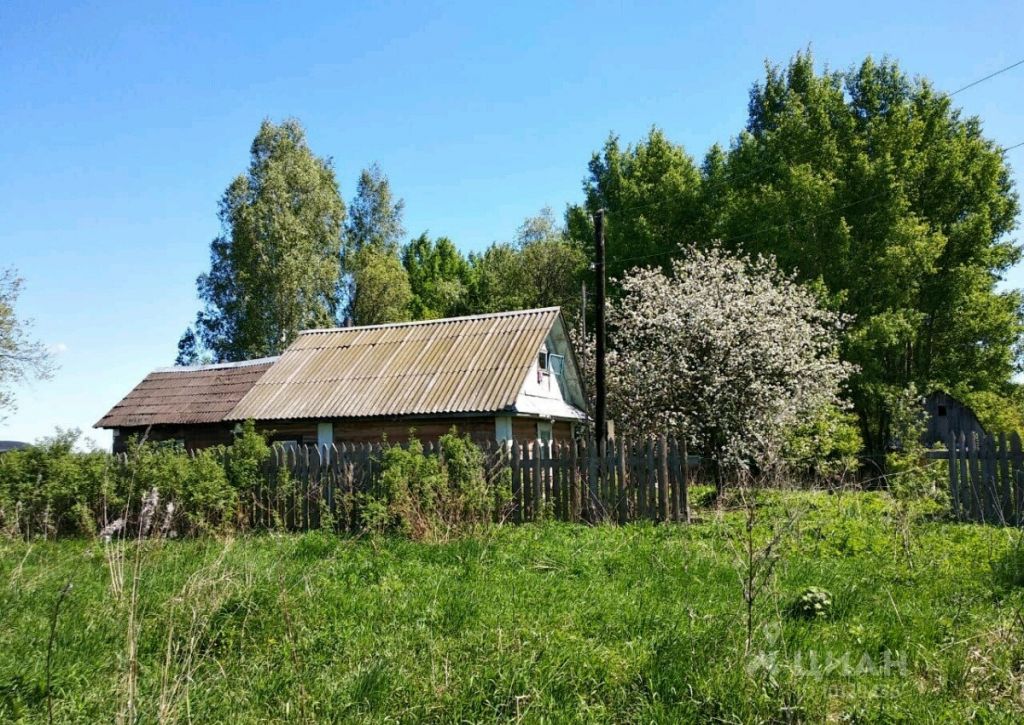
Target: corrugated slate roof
456	365
175	396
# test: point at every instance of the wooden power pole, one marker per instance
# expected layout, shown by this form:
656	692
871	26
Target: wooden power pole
600	389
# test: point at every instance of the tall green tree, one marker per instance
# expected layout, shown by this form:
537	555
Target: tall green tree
439	277
875	186
21	357
274	269
382	285
542	268
373	230
651	194
866	184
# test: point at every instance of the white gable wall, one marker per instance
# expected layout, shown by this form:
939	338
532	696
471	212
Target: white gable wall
553	396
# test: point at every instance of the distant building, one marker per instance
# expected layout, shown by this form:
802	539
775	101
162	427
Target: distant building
947	414
503	376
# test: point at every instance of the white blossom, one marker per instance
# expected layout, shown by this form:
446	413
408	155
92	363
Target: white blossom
726	351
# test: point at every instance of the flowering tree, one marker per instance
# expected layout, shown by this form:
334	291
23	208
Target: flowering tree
726	351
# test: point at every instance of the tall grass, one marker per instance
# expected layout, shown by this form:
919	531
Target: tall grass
547	622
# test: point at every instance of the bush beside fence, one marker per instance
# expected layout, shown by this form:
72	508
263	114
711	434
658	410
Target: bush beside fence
49	490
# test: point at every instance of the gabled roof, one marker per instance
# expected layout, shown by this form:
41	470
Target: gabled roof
181	395
458	365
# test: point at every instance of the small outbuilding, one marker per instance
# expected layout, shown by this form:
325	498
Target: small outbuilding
947	414
502	376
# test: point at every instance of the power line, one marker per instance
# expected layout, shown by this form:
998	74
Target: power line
1011	148
990	75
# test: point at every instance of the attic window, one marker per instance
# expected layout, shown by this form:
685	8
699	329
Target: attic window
542	360
556	363
942	411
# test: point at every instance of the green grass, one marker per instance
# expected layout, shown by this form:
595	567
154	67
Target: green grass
549	622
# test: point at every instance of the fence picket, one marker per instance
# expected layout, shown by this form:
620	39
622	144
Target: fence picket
622	499
988	479
1017	486
650	490
954	486
1005	485
685	493
662	478
976	478
673	468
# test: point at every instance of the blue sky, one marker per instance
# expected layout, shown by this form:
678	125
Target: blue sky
122	125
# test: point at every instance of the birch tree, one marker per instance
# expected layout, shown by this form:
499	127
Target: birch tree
21	357
275	268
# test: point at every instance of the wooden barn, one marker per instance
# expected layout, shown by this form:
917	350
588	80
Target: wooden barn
502	376
945	414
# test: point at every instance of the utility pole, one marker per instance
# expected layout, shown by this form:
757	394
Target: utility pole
600	390
583	312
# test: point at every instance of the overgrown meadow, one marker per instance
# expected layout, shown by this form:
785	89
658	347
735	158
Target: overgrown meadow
784	606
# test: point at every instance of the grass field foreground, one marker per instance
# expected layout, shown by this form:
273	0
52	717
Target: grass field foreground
539	622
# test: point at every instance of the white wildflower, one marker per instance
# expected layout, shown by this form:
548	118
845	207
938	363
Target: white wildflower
108	531
146	515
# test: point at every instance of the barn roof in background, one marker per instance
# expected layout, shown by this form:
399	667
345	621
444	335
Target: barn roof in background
456	365
182	395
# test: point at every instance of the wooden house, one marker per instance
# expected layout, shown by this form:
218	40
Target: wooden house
502	376
945	414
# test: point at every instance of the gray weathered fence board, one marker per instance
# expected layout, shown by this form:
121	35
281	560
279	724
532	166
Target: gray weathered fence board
985	477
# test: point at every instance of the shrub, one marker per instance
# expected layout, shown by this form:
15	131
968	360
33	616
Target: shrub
405	495
210	501
46	489
429	496
825	446
50	488
247	458
910	475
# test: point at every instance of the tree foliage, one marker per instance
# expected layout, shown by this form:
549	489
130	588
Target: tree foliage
727	351
877	186
382	288
21	357
651	192
542	268
439	277
373	234
274	270
866	183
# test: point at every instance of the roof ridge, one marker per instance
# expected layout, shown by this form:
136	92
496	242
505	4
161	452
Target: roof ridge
217	366
437	321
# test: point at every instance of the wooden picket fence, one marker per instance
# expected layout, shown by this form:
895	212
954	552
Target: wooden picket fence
310	487
986	483
575	481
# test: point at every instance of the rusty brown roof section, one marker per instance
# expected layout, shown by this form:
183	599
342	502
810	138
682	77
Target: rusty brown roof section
176	396
457	365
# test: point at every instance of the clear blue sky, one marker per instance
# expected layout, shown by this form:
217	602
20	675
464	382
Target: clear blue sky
121	126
